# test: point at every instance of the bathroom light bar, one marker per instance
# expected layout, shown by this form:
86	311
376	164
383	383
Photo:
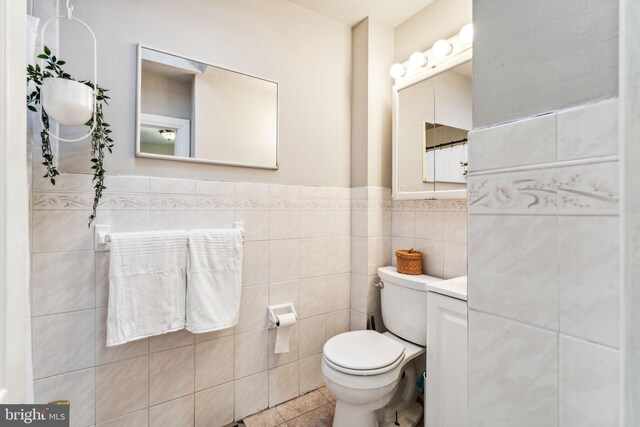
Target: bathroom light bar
439	54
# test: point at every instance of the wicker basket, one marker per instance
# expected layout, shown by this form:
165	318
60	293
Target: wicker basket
409	262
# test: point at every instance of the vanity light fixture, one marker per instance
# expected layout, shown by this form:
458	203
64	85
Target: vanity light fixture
168	134
441	48
417	60
397	70
466	34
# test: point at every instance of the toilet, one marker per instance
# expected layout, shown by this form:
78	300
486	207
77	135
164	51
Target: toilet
373	374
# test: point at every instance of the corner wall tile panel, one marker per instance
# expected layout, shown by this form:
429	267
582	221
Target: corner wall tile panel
588	131
513	377
502	146
514	268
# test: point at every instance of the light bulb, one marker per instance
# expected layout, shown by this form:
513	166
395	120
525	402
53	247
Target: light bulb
417	60
466	34
397	70
441	48
168	134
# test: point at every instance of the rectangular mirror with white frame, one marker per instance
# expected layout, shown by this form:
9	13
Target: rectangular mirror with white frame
432	115
192	111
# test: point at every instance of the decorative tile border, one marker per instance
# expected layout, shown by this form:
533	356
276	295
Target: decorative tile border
584	189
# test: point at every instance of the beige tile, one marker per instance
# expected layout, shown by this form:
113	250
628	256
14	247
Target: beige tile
251	395
321	417
171	340
176	413
215	219
455	259
357	320
173	186
61	230
313	258
336	322
206	336
327	393
301	405
432	256
255	263
122	388
126	184
313	297
338	223
252	189
284	224
338	254
253	308
124	221
429	225
455	227
214	362
214	406
312	335
171	374
251	353
106	354
221	188
403	224
62	281
171	219
284	260
313	224
256	224
269	418
137	419
77	387
310	373
102	278
338	291
277	359
283	383
285	292
55	335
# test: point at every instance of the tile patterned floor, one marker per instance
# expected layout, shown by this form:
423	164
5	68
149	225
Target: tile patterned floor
314	409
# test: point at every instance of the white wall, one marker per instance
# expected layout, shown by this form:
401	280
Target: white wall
538	56
440	19
307	54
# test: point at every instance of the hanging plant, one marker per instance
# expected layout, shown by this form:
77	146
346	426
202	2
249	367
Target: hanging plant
100	136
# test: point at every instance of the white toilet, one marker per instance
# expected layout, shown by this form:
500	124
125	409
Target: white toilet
367	370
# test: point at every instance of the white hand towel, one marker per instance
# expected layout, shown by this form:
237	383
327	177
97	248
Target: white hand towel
214	279
147	285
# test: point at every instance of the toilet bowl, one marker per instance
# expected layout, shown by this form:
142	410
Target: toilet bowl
363	369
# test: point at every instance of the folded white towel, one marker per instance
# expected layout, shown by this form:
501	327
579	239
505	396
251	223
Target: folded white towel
147	285
214	279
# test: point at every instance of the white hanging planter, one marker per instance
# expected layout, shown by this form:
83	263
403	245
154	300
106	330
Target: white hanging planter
68	102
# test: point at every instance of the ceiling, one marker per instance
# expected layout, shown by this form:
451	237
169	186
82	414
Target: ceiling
350	12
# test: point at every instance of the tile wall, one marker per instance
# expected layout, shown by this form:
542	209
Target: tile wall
437	228
543	271
370	249
297	249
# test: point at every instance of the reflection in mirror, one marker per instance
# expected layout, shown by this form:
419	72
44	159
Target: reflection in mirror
445	154
189	110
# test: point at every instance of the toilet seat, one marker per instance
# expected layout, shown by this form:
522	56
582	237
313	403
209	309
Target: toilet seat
363	353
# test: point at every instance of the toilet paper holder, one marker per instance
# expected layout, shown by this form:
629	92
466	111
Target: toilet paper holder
273	318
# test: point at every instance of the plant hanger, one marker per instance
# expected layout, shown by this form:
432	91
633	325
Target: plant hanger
70	17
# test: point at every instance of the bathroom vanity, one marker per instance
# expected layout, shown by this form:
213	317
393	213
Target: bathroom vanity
447	380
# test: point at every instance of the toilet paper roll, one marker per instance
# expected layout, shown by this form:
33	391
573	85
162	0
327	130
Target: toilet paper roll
283	332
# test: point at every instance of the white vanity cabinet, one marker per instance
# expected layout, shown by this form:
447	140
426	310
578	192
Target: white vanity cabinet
447	381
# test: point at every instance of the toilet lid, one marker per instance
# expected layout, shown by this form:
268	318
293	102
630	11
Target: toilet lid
362	350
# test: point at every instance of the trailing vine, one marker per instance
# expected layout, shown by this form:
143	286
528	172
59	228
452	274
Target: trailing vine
100	137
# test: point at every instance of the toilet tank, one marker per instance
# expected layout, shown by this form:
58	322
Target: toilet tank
404	304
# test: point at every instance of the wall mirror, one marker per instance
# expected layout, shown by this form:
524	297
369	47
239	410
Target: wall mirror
192	111
431	120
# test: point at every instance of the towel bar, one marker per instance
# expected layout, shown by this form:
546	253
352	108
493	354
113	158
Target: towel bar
102	235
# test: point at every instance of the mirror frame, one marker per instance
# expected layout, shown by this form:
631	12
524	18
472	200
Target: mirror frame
419	76
141	154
